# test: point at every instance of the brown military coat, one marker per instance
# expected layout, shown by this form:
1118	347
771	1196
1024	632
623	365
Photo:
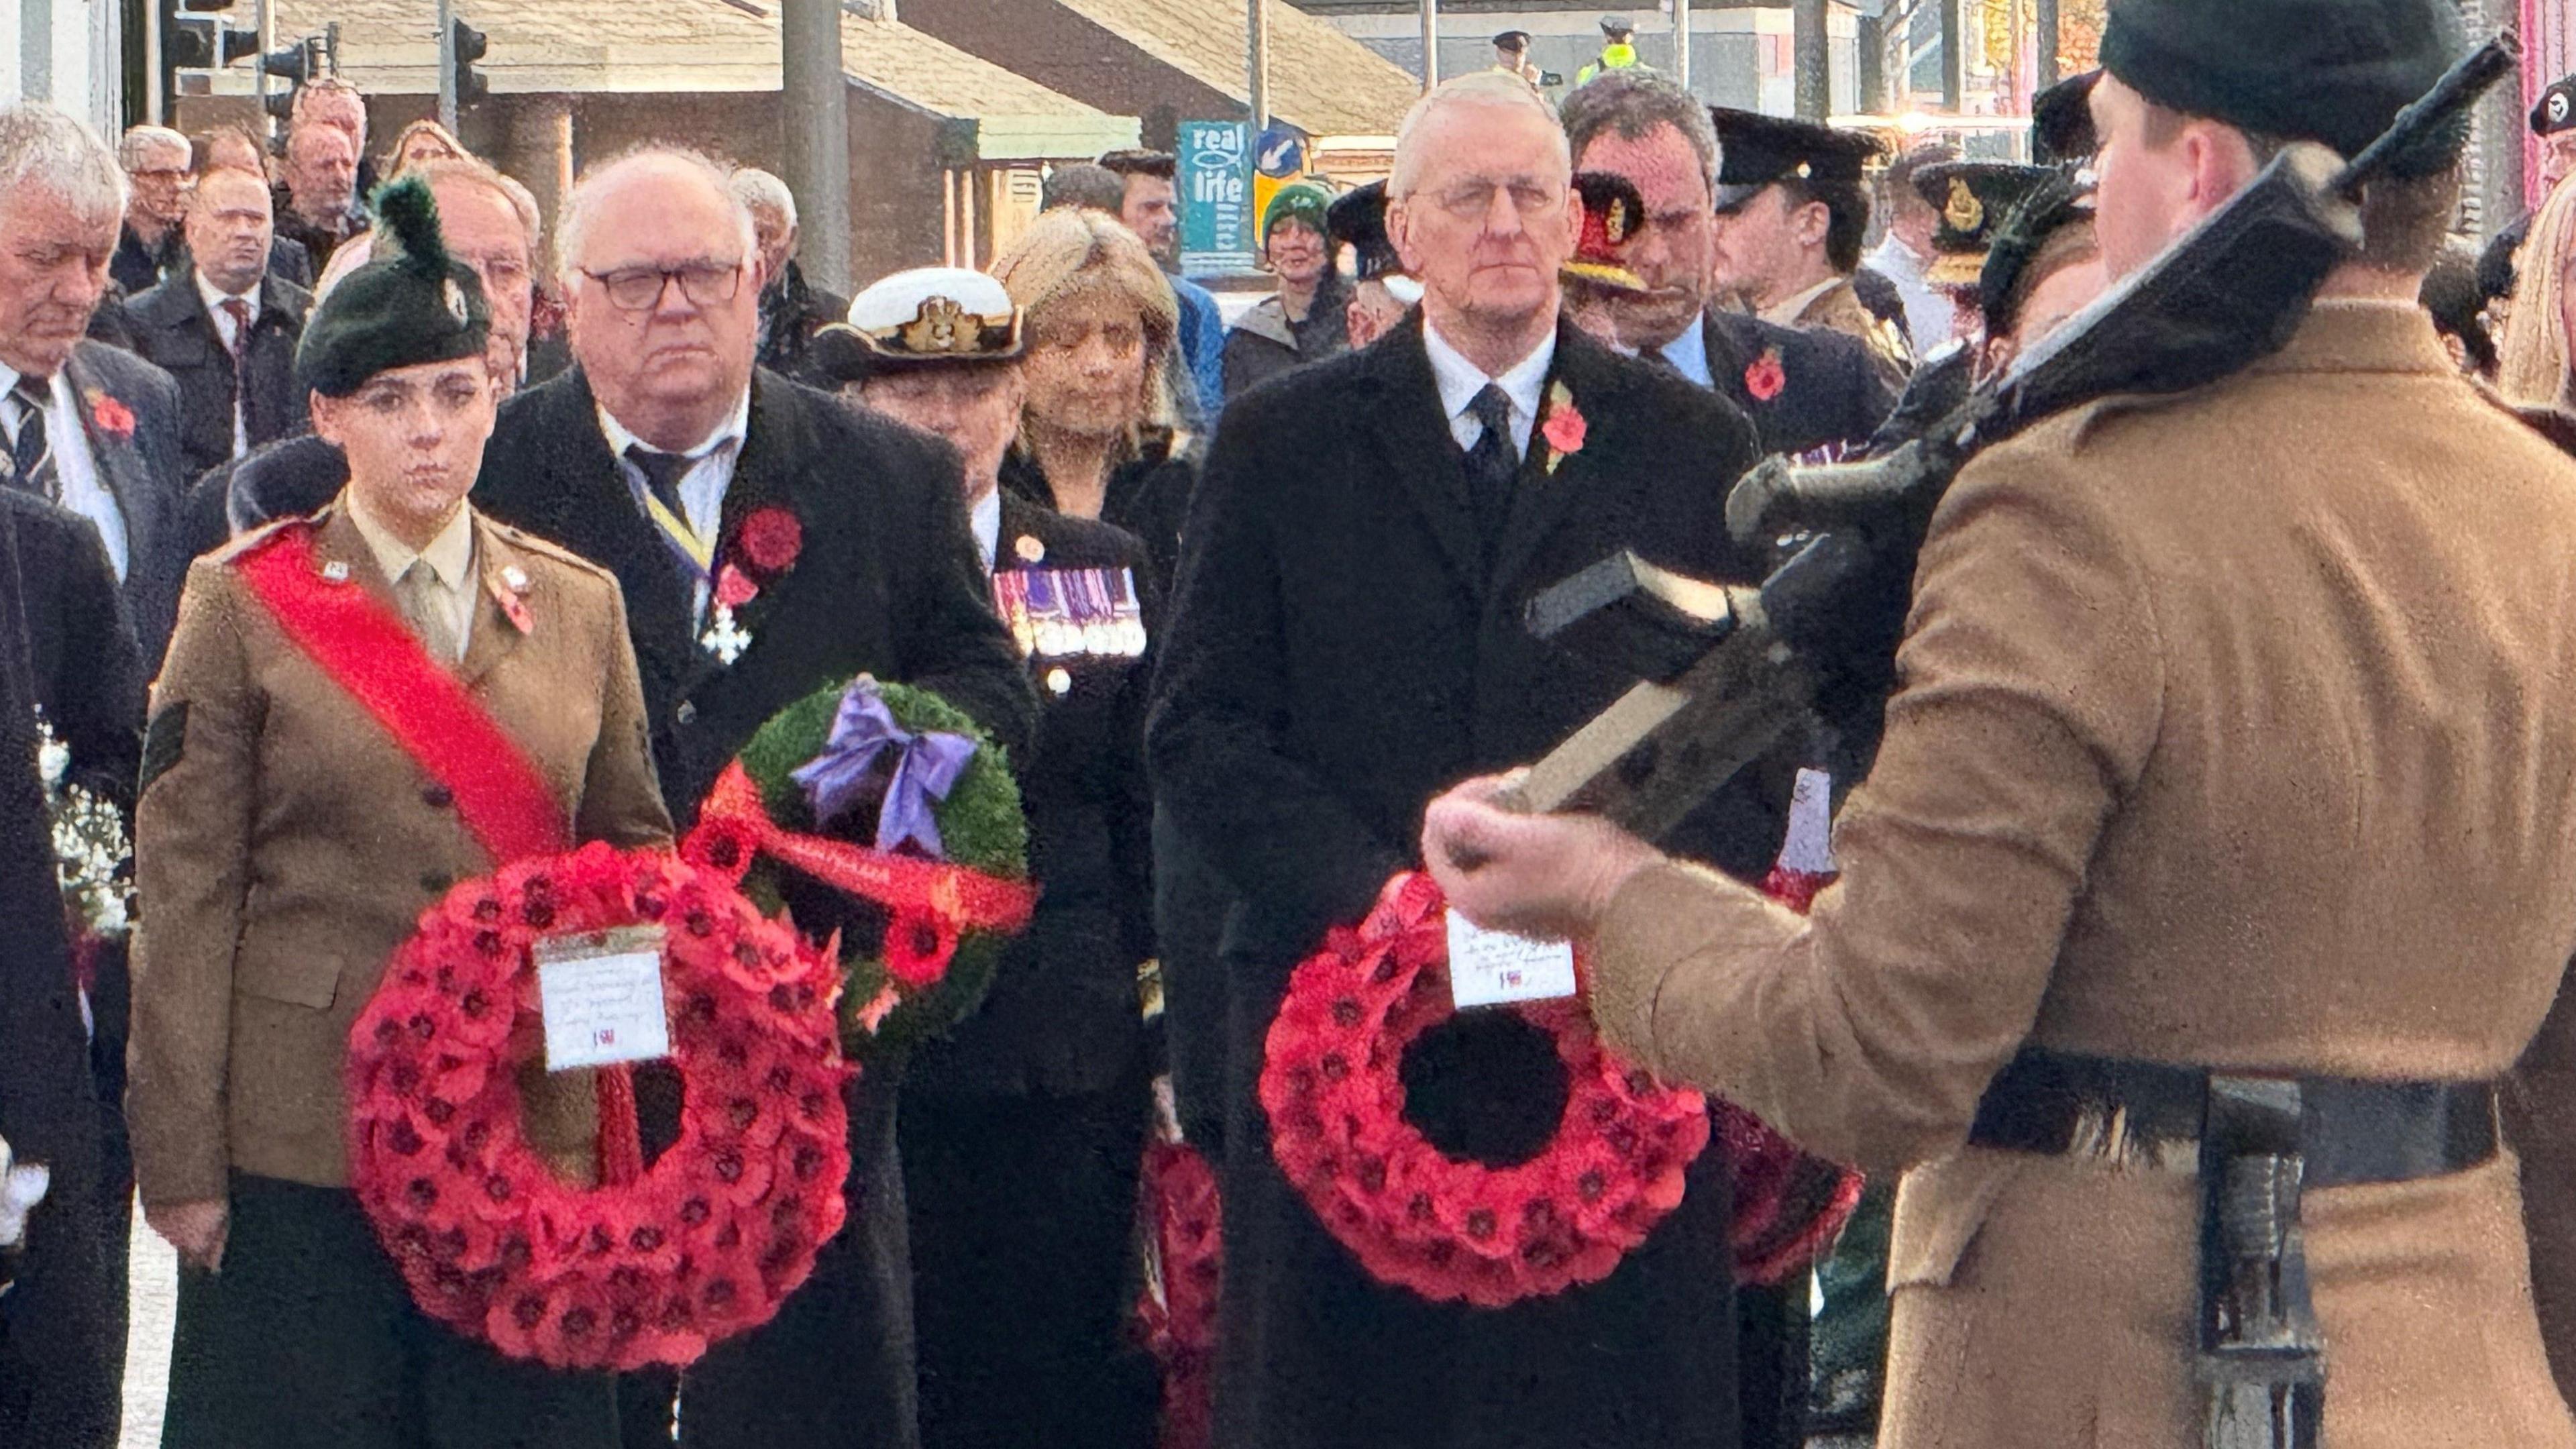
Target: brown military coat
289	845
2235	729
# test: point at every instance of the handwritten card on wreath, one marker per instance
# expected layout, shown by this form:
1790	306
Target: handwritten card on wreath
1492	968
600	994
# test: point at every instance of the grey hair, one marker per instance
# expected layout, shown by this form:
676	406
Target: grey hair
139	140
1633	104
761	191
477	171
572	224
49	150
1490	89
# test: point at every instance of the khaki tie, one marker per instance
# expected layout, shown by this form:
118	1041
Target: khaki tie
424	606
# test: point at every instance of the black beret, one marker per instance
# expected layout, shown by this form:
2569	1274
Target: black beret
2054	204
418	306
1972	199
1755	150
1357	218
2061	120
2555	111
2336	71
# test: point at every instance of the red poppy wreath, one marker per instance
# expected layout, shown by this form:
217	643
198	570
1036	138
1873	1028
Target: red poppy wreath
704	1243
1446	1228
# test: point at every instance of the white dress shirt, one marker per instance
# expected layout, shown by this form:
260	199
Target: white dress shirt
1688	353
450	557
986	519
215	298
1929	319
710	472
1524	382
76	472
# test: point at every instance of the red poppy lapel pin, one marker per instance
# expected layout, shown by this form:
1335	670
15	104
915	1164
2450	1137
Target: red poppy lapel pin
110	416
1563	426
1765	376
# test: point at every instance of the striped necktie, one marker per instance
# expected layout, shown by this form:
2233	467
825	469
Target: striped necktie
31	455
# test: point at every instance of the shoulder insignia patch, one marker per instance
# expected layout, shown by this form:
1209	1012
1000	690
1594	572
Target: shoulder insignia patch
165	739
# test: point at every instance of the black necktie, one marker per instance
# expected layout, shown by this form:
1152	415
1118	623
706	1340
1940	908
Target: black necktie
31	459
1493	466
662	473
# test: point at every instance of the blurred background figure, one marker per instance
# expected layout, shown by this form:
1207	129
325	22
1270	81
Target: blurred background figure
1149	205
157	172
1381	290
224	329
1906	250
1095	434
422	140
1304	320
792	309
317	204
2452	294
2532	370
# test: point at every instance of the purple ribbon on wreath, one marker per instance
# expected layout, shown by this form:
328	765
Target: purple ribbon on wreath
926	767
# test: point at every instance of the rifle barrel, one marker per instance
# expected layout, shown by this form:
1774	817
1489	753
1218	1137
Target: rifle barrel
2457	90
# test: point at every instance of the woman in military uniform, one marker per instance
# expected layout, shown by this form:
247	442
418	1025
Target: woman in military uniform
1022	1132
287	838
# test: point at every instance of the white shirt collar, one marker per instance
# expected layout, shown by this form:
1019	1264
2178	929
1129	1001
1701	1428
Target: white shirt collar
1688	353
1896	261
215	297
986	518
732	430
1786	313
1460	380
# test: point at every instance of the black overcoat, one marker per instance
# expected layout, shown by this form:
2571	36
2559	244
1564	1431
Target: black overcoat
888	582
1828	390
1337	654
175	333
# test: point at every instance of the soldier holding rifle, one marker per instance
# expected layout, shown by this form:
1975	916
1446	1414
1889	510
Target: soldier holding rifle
2218	857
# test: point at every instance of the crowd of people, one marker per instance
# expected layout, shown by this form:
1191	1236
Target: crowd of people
360	528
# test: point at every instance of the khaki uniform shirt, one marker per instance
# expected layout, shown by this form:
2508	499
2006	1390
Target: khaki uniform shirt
2235	729
286	846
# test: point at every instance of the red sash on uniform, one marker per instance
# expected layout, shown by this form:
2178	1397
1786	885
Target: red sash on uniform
369	652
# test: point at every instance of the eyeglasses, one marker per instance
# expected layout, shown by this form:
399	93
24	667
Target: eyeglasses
1474	200
637	289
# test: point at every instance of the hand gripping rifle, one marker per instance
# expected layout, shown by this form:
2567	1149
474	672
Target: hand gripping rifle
1724	672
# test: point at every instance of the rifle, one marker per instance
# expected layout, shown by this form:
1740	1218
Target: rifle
2225	294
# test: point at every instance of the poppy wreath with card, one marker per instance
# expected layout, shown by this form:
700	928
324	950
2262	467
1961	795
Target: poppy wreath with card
657	1261
883	816
1445	1227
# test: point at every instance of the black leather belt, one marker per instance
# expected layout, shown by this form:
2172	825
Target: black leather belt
2056	1103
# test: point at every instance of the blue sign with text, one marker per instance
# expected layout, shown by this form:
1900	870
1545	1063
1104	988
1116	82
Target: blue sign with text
1216	197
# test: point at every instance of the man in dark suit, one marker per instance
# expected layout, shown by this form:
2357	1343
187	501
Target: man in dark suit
1803	390
649	458
225	330
88	426
157	171
65	650
1346	637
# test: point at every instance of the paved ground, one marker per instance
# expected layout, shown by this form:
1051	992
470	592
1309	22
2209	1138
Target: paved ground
155	1285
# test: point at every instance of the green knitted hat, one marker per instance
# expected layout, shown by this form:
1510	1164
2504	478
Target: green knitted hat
419	305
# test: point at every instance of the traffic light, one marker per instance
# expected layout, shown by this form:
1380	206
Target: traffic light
470	44
296	64
203	42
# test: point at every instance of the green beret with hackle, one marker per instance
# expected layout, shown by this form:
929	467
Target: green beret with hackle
413	306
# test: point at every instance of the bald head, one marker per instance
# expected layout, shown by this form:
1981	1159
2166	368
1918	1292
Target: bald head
663	279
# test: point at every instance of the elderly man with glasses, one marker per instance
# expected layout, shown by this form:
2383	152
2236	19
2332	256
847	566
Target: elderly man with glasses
1346	640
646	458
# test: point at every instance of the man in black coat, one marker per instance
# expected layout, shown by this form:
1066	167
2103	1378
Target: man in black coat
65	649
1347	636
225	329
1803	390
854	530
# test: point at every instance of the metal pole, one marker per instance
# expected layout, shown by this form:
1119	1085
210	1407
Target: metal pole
155	102
1682	42
1257	37
2044	40
1814	59
816	102
1430	43
260	22
447	65
1954	57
